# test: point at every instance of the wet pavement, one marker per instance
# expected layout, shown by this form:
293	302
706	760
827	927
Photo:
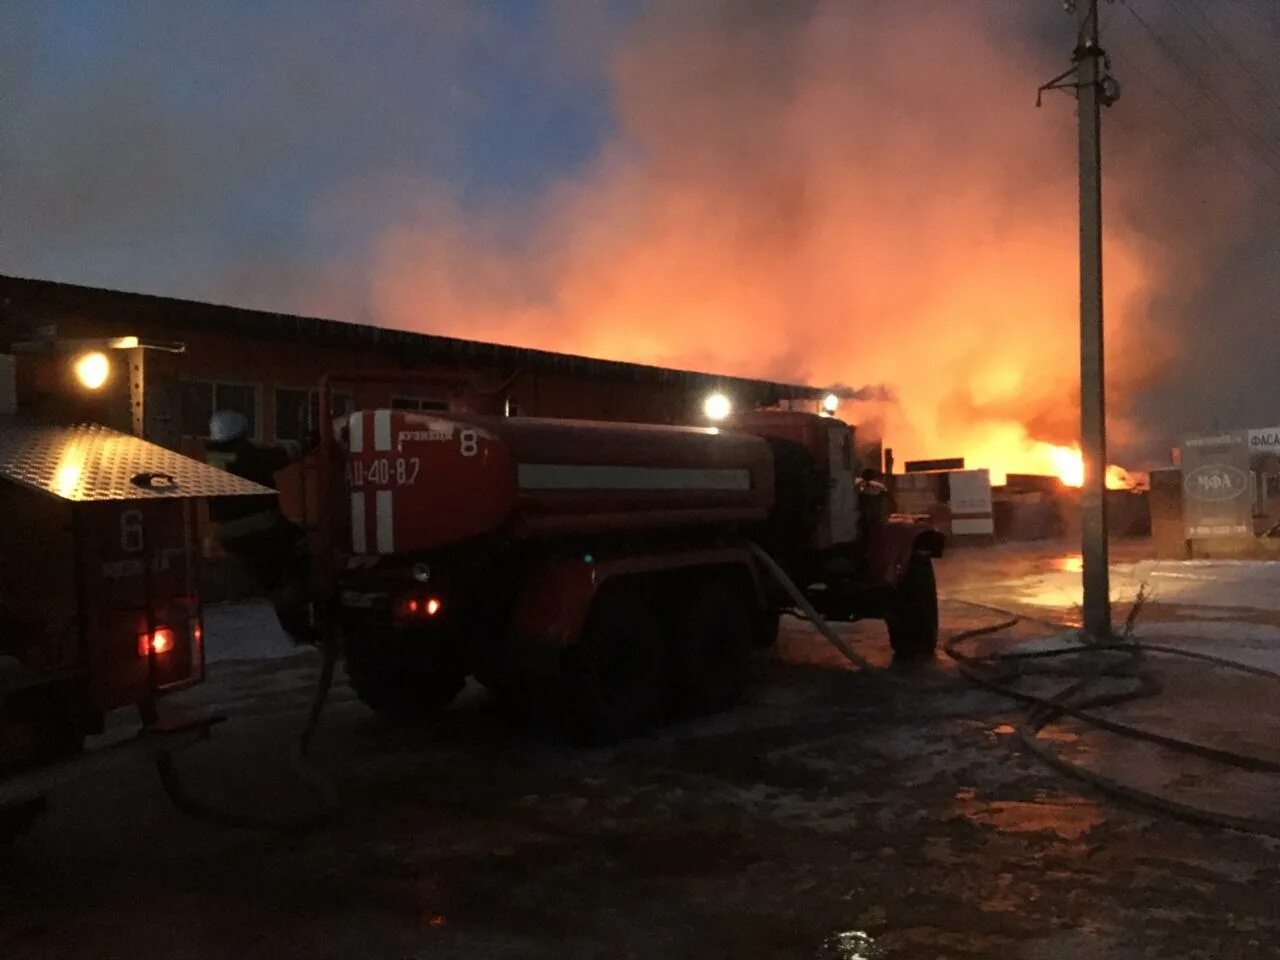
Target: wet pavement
835	815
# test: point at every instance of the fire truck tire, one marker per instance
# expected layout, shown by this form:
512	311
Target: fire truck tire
709	661
612	680
913	611
398	679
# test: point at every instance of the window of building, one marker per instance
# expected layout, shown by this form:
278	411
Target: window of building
200	398
298	411
419	403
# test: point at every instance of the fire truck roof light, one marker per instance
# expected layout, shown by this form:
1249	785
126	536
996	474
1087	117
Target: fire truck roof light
92	369
717	406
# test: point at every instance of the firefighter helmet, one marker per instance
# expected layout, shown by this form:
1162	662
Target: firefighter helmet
227	425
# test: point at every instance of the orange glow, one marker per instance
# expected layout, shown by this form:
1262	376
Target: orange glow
1067	465
433	607
941	263
159	642
413	606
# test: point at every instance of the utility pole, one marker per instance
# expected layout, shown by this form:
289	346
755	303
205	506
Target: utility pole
1093	420
1094	89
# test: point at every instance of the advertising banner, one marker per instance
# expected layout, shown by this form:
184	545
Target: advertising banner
1217	496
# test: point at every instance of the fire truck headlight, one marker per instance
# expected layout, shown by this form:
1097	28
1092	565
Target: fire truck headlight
92	370
830	403
717	406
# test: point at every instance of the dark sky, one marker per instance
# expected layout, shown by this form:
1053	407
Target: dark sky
173	147
263	153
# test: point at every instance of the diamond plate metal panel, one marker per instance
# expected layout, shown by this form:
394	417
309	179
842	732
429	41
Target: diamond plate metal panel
86	461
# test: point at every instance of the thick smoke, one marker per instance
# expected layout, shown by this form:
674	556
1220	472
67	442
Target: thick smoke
823	191
836	192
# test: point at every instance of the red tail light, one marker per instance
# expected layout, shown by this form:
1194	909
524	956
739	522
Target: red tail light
159	642
419	607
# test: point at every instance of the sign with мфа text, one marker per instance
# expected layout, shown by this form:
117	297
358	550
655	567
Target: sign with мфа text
1217	496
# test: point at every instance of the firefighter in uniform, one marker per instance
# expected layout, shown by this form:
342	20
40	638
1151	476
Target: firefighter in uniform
254	531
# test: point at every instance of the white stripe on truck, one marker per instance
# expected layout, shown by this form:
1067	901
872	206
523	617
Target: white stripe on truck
556	476
355	432
384	514
359	539
382	429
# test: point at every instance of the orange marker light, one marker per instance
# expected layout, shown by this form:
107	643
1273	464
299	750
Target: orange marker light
433	607
413	606
159	642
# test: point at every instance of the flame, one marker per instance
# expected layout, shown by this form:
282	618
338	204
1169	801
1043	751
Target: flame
849	220
1067	464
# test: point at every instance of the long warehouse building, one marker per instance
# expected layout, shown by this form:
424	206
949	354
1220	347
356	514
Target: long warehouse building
268	365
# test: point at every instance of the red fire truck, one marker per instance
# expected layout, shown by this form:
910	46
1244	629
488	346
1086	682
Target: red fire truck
606	570
99	585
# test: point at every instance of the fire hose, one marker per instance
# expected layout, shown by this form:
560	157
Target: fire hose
804	606
1121	660
328	804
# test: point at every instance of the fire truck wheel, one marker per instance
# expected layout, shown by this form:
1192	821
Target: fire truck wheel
612	681
709	661
913	612
400	679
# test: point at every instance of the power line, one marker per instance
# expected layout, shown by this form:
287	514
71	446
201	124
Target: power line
1224	44
1180	109
1210	134
1259	146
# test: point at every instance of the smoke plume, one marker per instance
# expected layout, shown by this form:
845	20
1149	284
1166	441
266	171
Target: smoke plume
833	193
820	191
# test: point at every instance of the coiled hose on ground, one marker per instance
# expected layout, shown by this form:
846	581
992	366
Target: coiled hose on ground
1122	660
328	805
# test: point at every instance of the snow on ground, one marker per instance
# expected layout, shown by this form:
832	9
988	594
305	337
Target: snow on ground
1251	644
1219	607
1240	585
246	630
1211	583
